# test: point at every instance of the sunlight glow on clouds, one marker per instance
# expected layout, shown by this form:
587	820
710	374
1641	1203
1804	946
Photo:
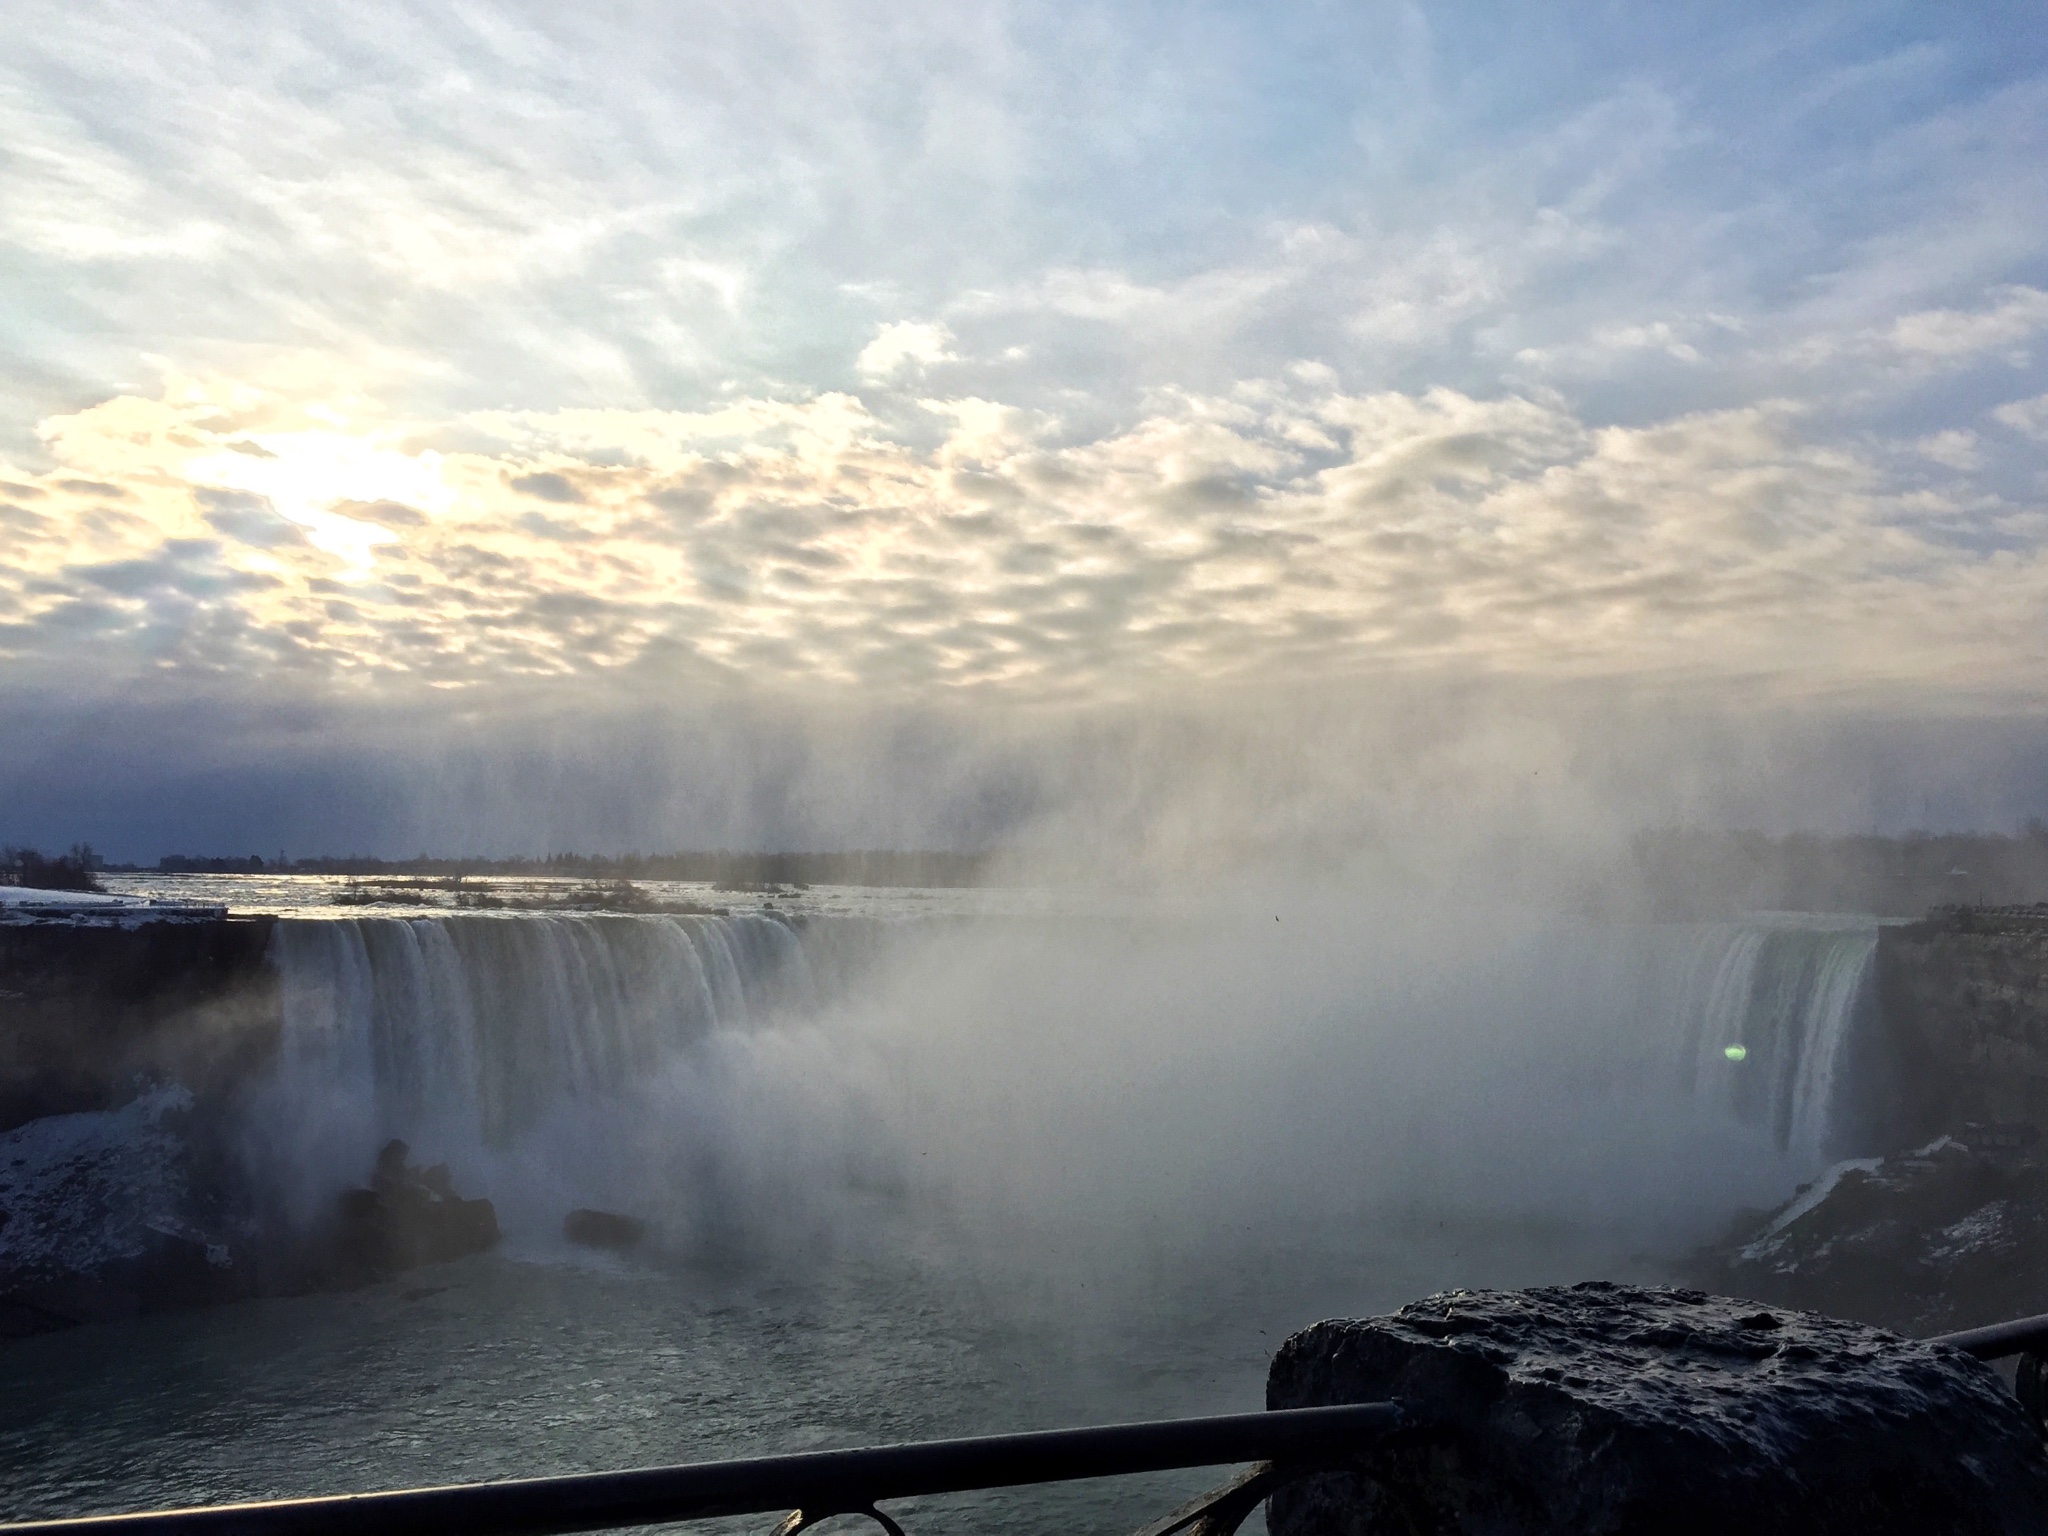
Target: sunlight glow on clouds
1286	529
1023	353
907	341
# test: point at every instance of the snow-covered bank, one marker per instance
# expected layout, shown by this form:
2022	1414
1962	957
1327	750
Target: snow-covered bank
107	1213
21	904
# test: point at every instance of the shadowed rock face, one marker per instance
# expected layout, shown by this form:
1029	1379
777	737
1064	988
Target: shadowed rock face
1600	1408
85	1010
1965	1018
1946	1236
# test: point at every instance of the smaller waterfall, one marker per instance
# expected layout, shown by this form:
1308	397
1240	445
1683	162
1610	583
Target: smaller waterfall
1768	1023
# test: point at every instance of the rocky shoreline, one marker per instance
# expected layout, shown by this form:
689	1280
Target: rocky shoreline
111	1214
1953	1234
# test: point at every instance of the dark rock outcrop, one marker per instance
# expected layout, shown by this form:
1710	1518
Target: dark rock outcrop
603	1229
1950	1235
1597	1409
1964	1020
408	1216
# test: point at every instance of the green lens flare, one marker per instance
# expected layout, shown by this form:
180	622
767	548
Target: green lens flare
1736	1052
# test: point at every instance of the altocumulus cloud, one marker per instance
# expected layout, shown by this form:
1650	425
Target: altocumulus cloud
491	362
1284	529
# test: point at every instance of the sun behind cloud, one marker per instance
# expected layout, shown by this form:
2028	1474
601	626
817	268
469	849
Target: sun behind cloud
423	367
1286	530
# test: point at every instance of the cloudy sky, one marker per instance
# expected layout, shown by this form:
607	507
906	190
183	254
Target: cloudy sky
388	370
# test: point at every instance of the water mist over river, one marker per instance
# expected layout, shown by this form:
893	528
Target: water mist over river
921	1177
733	1072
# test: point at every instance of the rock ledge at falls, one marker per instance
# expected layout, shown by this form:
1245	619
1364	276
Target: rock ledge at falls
1950	1235
1599	1408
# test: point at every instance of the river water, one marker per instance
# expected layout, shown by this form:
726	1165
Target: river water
917	1165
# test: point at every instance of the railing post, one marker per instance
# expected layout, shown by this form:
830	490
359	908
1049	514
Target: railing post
2030	1386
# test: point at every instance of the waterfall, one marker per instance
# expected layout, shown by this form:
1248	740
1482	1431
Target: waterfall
464	1033
689	1065
1765	1025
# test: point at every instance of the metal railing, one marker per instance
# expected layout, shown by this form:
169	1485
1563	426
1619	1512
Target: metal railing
2026	1337
2023	1336
1283	1445
815	1485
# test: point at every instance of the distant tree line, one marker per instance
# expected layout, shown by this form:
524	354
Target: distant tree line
871	866
1710	873
73	871
189	864
1679	873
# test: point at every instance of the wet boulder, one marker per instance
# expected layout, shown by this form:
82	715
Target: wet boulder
1600	1408
603	1229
